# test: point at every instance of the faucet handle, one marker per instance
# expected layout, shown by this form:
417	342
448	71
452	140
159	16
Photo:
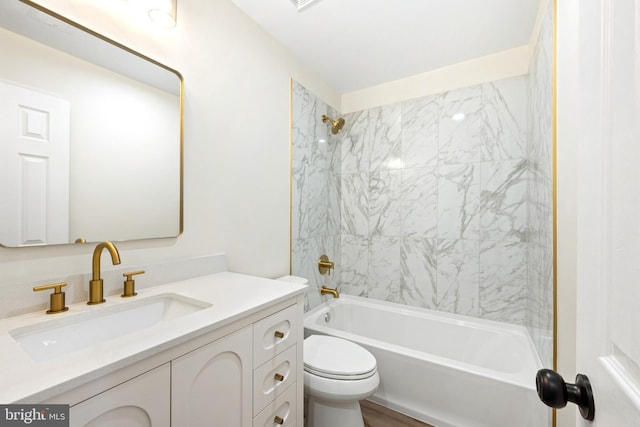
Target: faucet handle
56	299
130	284
324	265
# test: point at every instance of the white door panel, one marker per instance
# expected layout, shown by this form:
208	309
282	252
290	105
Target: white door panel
34	167
608	316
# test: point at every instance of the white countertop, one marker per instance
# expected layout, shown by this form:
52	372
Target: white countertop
232	295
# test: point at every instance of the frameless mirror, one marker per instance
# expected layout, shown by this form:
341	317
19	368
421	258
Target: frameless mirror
90	135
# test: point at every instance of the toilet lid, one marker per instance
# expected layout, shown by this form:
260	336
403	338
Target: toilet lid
333	357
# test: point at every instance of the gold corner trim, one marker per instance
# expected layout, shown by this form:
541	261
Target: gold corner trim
290	175
181	230
554	169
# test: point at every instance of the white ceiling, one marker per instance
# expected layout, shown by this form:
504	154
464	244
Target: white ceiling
355	44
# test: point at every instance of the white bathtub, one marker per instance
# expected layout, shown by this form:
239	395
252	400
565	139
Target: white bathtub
447	370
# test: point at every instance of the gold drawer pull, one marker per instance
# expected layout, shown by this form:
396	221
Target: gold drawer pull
279	377
278	420
279	334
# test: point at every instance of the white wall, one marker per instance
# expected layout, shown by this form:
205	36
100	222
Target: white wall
236	80
502	65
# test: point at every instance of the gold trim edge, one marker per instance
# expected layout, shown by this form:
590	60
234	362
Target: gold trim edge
554	167
290	175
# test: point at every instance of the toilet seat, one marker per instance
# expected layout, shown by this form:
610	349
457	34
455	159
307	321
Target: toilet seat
336	358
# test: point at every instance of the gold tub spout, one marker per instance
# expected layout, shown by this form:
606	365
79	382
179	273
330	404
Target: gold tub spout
324	290
96	284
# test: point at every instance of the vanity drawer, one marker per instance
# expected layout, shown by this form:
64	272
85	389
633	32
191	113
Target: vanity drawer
273	378
282	410
273	334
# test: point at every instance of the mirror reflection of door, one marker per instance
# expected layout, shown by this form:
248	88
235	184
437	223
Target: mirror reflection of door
34	167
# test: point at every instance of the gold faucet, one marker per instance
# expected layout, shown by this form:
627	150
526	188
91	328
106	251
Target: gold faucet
96	284
333	291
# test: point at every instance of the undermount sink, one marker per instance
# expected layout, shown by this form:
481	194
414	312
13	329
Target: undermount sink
74	332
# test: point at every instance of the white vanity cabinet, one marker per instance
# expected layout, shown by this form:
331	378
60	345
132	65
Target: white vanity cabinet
143	401
233	380
211	386
247	373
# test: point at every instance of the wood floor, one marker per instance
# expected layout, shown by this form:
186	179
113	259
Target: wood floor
378	416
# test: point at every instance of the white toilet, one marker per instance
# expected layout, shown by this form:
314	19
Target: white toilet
337	375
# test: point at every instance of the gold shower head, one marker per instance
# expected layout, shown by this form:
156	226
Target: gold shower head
336	125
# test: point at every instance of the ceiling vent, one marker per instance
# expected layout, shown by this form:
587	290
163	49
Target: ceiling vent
301	4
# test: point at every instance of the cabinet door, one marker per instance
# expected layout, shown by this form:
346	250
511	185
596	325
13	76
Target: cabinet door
212	386
142	401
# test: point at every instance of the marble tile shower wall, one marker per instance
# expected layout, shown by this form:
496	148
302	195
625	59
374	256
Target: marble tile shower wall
315	216
540	208
434	202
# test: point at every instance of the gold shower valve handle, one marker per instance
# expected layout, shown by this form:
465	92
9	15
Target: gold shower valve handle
324	265
56	299
130	284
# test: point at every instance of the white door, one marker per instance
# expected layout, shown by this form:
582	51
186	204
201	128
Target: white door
608	263
34	167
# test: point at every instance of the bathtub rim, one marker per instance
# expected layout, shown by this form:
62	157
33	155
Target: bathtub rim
313	317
